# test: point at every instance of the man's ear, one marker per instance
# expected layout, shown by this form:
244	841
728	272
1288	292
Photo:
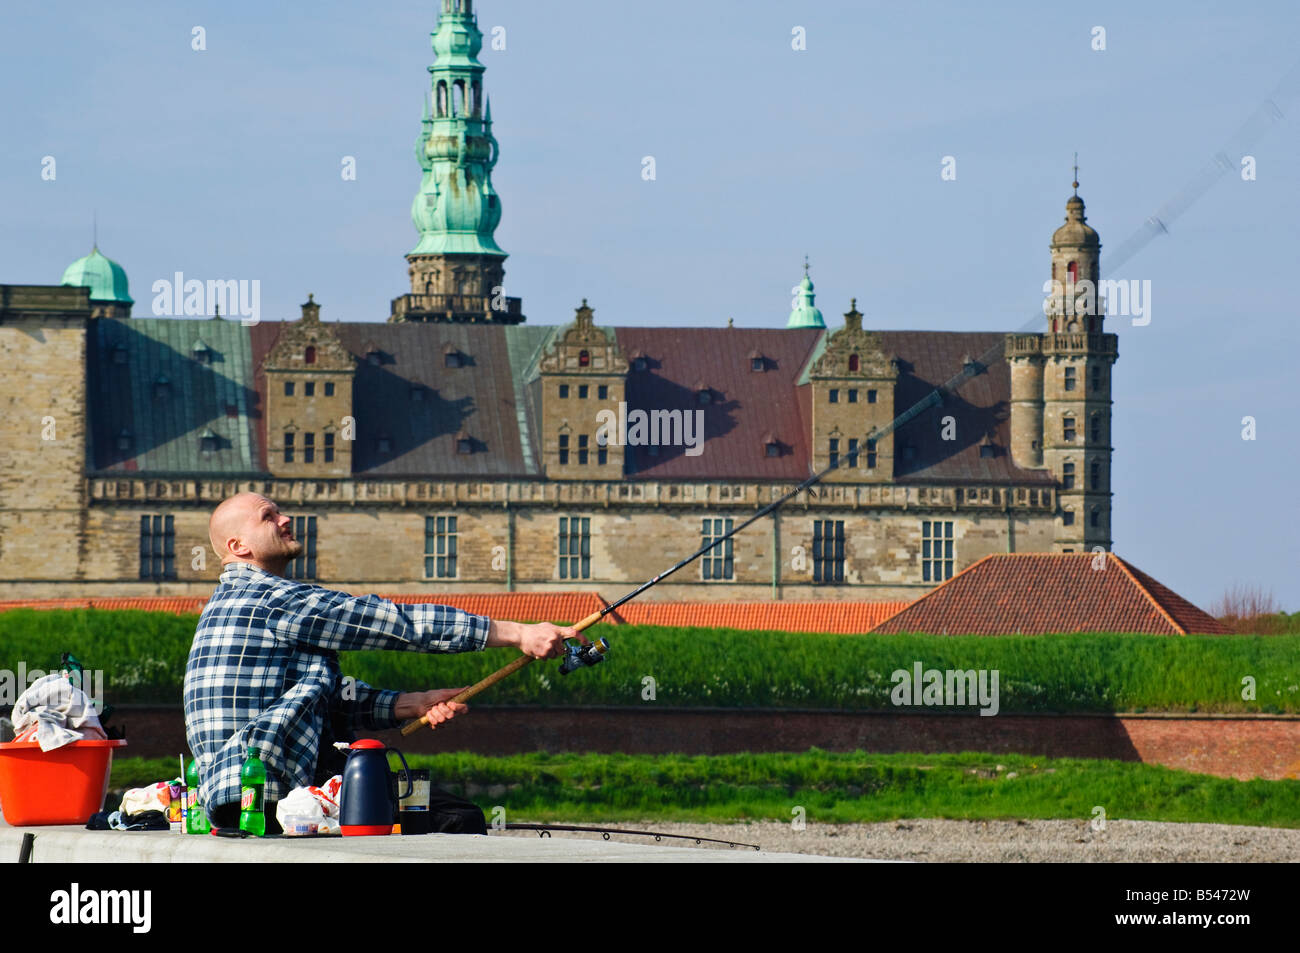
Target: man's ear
235	546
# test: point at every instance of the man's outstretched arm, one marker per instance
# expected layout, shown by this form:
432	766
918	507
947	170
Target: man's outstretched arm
334	620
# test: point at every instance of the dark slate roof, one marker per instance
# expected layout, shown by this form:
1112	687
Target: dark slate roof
747	405
1040	593
929	359
496	399
165	430
478	399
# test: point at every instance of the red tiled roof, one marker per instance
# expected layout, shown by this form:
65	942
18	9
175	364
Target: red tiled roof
570	607
181	605
848	618
558	607
1037	593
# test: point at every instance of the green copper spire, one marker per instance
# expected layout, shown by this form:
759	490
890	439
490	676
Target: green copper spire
457	269
805	315
456	210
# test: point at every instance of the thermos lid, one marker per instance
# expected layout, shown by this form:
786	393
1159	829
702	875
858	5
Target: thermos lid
364	743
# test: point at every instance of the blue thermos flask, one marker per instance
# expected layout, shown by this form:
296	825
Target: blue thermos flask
367	800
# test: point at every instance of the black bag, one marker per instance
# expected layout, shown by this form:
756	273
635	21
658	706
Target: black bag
449	814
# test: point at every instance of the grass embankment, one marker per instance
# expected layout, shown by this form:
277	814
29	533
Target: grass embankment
831	788
143	657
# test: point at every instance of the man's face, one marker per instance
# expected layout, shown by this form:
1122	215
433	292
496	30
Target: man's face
268	532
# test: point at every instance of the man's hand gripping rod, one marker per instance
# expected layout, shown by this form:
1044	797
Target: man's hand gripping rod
600	647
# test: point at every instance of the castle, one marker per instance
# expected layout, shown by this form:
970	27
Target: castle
459	448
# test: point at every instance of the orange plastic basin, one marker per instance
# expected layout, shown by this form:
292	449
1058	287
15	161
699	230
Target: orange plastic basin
63	786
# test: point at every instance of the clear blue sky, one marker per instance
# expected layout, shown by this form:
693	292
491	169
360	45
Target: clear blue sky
226	163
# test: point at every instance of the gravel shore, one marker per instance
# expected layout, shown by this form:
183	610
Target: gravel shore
1006	841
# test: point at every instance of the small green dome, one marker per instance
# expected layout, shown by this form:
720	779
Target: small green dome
805	315
105	278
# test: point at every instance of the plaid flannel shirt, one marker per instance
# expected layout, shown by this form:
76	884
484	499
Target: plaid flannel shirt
263	672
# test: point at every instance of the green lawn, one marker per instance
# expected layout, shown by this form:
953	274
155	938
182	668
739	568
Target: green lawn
831	788
143	657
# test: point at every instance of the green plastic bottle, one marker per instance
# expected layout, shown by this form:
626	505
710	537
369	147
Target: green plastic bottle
252	785
196	821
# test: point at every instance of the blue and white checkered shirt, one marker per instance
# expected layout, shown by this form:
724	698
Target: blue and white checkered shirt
263	672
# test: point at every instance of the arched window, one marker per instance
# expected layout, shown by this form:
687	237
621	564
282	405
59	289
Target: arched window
309	355
441	109
476	99
1095	516
853	362
458	98
1073	270
584	359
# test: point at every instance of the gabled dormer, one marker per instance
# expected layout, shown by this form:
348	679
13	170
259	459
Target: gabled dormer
852	401
583	373
309	376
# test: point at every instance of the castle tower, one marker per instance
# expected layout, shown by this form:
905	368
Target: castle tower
1061	387
456	269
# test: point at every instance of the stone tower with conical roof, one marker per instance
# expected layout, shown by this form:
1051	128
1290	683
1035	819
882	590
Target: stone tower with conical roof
456	268
1061	387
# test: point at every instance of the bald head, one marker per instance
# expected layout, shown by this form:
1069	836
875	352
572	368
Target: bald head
248	527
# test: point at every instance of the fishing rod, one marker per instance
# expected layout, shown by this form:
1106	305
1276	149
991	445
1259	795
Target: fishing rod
544	830
1267	113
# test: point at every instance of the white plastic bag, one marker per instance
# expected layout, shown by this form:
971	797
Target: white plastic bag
310	810
57	712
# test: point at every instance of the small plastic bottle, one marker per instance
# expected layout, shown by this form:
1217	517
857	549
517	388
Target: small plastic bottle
196	821
252	781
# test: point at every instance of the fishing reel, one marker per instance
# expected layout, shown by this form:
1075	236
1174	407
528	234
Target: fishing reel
578	655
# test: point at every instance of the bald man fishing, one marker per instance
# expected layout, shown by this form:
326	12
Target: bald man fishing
263	671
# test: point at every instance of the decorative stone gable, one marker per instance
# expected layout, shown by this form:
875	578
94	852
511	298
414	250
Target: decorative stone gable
848	342
580	338
309	345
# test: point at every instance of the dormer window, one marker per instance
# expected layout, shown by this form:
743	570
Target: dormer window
417	392
464	443
309	355
987	451
771	446
757	362
207	441
385	444
124	440
704	396
119	354
853	362
639	362
373	358
162	388
201	353
453	358
584	358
